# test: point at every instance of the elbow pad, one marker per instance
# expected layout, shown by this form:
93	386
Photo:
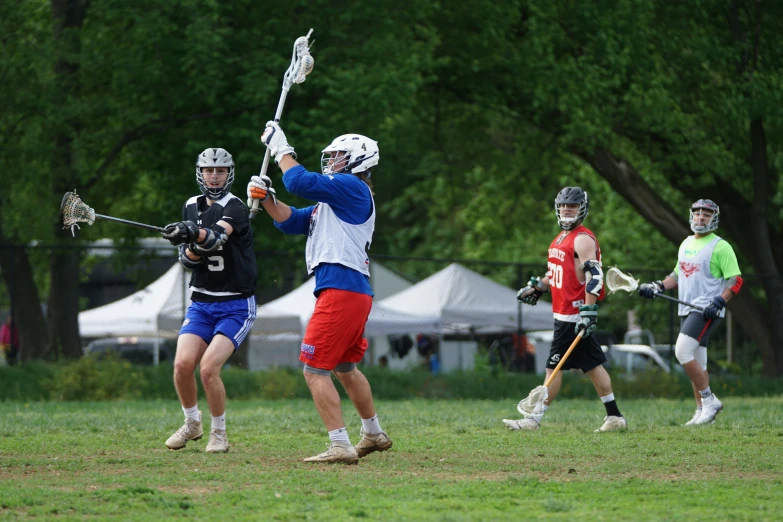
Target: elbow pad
594	277
186	261
216	237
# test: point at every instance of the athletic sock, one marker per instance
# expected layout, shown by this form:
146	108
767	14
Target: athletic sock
340	435
705	393
371	426
219	422
191	413
611	406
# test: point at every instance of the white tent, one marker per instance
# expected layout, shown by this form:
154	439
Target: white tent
158	311
464	300
382	321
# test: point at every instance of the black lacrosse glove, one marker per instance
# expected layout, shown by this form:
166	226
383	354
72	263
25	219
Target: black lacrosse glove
181	232
531	293
649	290
588	319
713	309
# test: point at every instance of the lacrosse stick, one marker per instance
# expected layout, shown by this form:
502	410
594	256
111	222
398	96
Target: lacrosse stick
617	280
73	211
533	402
301	65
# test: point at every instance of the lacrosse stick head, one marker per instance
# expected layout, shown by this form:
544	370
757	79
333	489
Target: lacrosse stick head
302	62
73	211
533	403
617	280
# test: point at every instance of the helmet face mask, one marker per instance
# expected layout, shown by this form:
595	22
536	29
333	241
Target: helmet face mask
697	211
214	158
571	196
350	154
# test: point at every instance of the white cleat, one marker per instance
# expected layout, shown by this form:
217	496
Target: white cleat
695	418
710	407
218	441
371	443
191	430
336	453
527	424
612	423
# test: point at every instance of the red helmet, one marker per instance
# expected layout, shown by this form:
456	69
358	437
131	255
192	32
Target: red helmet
705	204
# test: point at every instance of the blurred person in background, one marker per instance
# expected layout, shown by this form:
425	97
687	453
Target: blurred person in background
9	340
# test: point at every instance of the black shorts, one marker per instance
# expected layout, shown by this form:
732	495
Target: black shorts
696	326
586	356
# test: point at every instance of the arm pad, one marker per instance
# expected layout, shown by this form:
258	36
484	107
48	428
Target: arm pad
594	277
216	237
186	261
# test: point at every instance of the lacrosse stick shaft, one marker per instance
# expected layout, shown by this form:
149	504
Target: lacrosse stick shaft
670	298
132	223
264	166
563	359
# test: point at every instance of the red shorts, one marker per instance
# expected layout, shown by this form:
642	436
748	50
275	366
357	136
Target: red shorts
334	334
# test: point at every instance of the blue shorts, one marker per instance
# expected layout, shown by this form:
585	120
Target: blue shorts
234	319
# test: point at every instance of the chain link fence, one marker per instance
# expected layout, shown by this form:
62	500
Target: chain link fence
109	272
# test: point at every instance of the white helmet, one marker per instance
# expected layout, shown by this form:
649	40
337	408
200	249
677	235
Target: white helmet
361	154
215	157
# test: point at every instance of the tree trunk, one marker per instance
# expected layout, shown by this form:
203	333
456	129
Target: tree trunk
18	276
751	313
67	17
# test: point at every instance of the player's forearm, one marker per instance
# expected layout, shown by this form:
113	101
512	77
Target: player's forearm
669	283
280	212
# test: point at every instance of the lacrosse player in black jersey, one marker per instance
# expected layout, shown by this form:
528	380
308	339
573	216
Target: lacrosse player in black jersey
216	243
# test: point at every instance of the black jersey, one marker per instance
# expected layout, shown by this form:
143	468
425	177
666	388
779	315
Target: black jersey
230	272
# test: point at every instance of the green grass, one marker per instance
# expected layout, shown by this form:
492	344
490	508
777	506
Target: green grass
451	460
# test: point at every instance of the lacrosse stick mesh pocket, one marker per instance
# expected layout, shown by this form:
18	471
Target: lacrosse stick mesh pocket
616	280
74	211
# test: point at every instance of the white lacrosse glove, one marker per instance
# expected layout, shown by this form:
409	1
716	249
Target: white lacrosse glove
274	138
260	188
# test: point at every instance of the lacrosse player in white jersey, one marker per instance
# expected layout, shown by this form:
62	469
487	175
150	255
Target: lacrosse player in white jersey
215	242
706	275
339	229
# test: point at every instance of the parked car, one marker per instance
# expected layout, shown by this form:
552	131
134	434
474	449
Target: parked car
138	350
632	358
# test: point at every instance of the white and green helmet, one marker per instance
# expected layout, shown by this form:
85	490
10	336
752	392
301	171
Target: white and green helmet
215	157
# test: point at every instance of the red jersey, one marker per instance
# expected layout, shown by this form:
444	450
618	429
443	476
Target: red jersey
568	293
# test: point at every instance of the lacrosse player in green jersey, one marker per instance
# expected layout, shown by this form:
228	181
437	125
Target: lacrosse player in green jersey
708	276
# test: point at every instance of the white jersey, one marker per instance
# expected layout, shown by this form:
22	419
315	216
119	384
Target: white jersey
695	281
331	240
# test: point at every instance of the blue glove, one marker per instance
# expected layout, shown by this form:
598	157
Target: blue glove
713	309
649	290
588	319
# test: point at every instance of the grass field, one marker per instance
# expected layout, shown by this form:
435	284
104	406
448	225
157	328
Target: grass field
451	460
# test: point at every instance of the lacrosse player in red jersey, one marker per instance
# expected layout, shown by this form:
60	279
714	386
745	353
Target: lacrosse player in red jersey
215	242
575	278
706	275
339	229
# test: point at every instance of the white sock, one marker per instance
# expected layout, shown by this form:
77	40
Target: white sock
706	392
340	435
607	398
192	413
371	426
219	423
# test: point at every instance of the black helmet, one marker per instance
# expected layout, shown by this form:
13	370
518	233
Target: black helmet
572	196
